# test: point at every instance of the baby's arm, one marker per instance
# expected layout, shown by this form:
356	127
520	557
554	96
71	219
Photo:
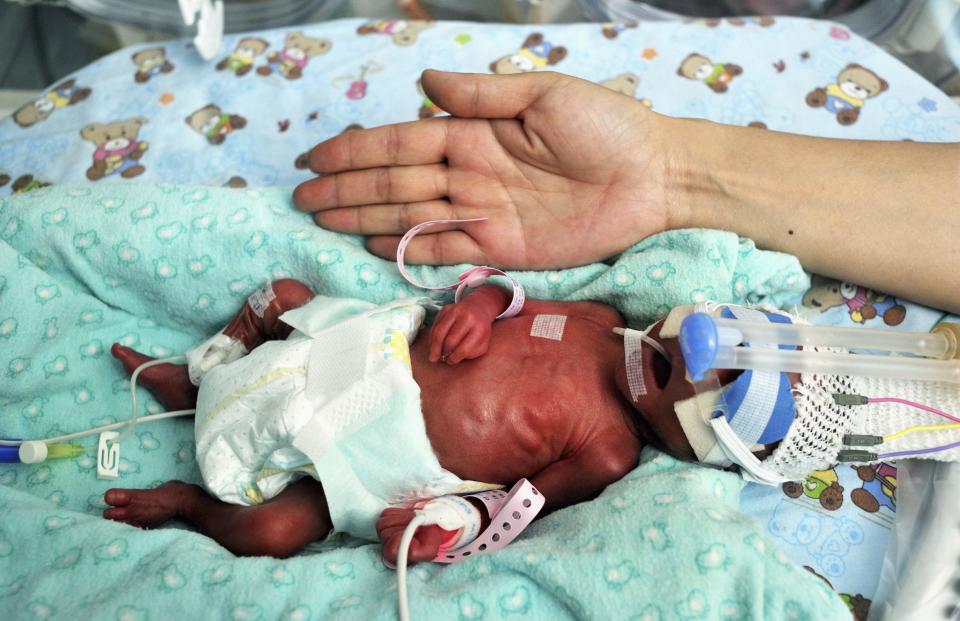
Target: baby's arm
462	330
583	476
597	312
569	481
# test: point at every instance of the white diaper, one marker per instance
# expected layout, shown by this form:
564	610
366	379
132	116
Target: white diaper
337	401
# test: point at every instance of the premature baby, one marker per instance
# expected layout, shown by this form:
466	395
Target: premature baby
298	447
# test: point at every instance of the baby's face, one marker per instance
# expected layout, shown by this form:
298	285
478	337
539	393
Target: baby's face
665	383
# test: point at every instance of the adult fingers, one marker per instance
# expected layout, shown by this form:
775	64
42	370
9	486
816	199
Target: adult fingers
446	248
401	144
393	219
475	95
404	184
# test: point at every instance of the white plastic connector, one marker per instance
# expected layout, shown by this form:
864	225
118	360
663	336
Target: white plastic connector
33	452
108	455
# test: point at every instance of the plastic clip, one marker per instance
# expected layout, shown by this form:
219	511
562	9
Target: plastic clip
856	456
108	455
859	440
845	399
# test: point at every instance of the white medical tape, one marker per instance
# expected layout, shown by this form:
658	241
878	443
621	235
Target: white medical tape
260	299
633	355
548	327
470	515
473	277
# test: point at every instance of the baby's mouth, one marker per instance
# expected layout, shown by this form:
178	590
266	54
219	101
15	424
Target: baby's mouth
661	370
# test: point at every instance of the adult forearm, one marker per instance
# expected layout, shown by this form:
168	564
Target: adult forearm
882	214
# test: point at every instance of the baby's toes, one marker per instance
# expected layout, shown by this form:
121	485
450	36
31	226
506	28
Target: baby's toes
115	513
118	497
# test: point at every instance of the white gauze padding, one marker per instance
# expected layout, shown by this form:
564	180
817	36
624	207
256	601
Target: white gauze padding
633	355
218	349
548	327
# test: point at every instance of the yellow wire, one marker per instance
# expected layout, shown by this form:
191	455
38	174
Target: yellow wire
920	428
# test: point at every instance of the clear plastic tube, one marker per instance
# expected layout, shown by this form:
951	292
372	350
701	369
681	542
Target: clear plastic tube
828	363
926	344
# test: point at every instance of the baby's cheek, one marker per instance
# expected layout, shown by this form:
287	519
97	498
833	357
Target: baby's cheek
671	434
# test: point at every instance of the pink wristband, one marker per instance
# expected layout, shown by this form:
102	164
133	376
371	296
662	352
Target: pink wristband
473	277
509	515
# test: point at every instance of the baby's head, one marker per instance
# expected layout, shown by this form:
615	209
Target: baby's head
654	382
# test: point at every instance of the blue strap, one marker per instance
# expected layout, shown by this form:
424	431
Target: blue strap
760	405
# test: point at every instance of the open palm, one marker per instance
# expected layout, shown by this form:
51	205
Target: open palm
565	171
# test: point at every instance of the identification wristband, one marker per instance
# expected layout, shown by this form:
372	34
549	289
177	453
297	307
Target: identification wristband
473	277
510	513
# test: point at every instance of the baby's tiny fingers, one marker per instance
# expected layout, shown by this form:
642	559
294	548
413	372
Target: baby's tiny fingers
473	346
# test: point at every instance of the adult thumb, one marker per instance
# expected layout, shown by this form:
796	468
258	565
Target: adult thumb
477	95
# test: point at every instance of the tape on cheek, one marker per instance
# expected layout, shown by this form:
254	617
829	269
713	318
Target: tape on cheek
548	327
633	355
260	299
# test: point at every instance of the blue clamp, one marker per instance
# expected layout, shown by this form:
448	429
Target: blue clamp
698	343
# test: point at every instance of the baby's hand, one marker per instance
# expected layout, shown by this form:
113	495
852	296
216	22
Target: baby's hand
461	332
424	545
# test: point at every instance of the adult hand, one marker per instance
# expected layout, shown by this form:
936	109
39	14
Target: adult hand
565	171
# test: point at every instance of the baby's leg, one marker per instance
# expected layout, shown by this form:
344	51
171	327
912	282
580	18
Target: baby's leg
279	527
171	384
253	330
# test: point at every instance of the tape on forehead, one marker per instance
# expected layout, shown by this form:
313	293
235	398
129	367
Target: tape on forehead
548	326
634	359
261	298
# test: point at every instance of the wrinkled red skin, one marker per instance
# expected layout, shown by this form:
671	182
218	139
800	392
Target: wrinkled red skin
498	405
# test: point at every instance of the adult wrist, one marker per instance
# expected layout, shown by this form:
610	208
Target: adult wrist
695	189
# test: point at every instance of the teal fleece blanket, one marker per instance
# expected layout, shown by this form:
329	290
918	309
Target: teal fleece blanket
160	267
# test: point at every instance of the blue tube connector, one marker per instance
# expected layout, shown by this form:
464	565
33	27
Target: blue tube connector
698	344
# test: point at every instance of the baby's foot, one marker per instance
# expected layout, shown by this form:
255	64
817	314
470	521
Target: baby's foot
148	508
170	383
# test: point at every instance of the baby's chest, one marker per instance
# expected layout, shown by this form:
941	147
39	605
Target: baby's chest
555	337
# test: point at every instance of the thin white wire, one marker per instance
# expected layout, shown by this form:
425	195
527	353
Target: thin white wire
90	432
129	423
419	520
133	389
